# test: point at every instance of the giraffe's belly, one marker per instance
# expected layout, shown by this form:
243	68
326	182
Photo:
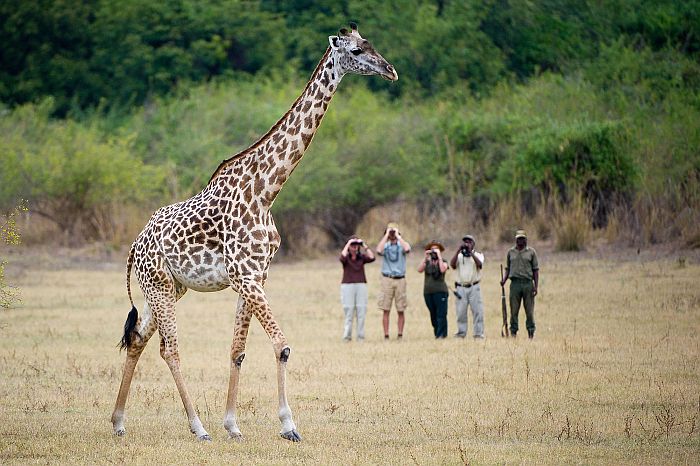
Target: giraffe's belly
202	277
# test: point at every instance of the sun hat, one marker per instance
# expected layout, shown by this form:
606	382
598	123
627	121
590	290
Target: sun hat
434	244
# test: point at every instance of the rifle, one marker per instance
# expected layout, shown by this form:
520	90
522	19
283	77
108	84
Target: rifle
504	327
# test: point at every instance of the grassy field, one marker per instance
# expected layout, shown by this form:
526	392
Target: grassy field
612	377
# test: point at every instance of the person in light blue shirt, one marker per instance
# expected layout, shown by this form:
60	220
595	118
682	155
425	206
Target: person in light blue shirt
393	249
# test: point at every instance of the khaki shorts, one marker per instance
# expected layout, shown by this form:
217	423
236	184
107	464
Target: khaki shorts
393	290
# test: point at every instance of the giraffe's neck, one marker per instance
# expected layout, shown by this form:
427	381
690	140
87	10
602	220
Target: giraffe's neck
262	169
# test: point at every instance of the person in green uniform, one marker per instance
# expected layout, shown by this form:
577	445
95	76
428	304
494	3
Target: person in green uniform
523	270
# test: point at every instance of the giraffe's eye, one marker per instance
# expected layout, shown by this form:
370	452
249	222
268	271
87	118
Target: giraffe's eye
356	52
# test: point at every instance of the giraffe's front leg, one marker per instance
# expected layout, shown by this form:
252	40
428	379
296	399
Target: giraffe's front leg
243	316
256	301
289	429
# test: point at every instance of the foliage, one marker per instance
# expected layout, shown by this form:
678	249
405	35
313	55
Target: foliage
497	100
69	172
9	234
193	132
585	154
85	53
109	53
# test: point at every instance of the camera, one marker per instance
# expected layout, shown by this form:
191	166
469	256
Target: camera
433	255
465	251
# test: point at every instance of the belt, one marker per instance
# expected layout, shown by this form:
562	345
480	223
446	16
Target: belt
467	285
395	277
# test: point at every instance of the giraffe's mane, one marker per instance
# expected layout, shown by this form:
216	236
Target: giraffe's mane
274	127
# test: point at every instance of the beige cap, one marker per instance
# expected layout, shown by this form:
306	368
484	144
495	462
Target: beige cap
520	234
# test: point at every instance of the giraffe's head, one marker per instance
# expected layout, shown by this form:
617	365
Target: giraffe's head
354	54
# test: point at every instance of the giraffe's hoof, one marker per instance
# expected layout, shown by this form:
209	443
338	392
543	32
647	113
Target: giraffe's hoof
237	437
204	438
292	435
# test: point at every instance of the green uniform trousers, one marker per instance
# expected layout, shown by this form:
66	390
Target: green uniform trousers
521	290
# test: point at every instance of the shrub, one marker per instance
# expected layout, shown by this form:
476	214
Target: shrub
70	173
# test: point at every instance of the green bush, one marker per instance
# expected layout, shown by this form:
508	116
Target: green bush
587	154
70	173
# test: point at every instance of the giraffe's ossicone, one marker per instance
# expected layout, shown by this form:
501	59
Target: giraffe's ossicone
224	236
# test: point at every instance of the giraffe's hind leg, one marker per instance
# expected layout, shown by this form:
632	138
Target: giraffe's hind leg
164	312
145	328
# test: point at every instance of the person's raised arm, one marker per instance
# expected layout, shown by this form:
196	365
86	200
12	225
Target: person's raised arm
368	251
382	242
477	260
424	262
404	244
344	252
442	262
453	261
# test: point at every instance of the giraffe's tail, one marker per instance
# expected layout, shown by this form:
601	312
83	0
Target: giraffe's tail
133	316
129	265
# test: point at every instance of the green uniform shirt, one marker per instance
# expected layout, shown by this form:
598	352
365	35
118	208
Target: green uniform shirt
521	263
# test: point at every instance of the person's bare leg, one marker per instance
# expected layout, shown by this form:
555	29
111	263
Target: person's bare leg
385	322
401	321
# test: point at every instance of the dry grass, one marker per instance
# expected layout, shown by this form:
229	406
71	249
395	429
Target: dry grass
612	377
572	224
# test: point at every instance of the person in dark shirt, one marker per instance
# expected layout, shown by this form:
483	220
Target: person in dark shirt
353	287
434	287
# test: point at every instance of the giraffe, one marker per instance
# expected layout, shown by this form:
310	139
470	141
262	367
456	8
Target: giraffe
225	237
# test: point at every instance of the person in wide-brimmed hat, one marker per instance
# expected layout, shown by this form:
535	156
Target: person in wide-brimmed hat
353	286
435	292
393	249
523	269
468	262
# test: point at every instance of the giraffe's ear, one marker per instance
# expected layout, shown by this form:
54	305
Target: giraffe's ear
333	40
